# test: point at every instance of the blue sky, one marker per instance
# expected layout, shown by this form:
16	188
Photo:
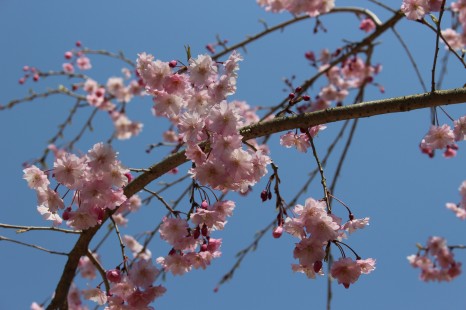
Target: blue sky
385	177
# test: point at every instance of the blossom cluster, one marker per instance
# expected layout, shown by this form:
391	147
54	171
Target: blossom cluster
300	141
131	290
457	40
460	208
352	74
416	9
194	247
310	7
437	263
443	137
317	229
194	101
95	181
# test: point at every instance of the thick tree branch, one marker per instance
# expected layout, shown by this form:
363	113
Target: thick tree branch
365	109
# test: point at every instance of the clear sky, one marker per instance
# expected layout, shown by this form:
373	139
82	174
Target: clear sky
385	177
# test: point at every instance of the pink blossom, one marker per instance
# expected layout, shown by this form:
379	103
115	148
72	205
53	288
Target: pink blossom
68	67
36	178
301	141
295	227
307	270
453	39
415	9
202	70
460	212
175	263
36	306
209	218
346	271
168	105
138	250
434	5
87	268
83	218
114	275
367	25
173	229
83	63
69	169
95	295
459	129
438	137
143	273
323	228
308	251
355	224
152	72
366	265
90	86
124	127
224	119
101	157
50	199
50	216
277	232
191	127
195	154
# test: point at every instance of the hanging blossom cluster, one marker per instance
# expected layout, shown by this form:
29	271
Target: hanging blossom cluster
131	290
310	7
97	95
459	208
444	138
194	101
352	74
317	229
94	181
194	247
416	9
457	40
437	262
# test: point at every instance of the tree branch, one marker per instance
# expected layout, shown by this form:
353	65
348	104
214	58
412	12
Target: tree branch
365	109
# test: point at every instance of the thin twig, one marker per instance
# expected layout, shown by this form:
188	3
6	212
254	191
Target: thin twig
23	229
99	268
2	238
411	59
122	245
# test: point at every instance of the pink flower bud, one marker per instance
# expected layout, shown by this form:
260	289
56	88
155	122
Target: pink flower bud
277	232
114	275
21	81
129	177
306	98
78	43
35	77
264	195
310	56
203	247
317	266
172	64
68	55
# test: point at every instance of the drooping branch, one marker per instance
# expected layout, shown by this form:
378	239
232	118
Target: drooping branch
365	109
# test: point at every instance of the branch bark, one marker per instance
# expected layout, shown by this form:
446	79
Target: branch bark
355	111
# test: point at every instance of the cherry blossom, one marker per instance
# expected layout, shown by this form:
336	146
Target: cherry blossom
346	271
438	137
